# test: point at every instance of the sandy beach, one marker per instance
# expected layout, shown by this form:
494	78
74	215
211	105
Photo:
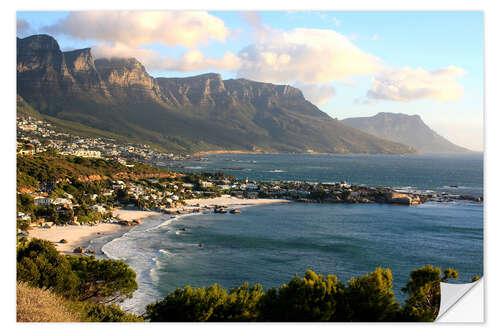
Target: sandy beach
74	234
82	235
129	215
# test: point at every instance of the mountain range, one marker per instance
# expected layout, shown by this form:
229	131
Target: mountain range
191	114
410	130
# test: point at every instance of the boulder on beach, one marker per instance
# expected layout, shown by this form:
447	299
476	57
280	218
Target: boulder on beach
63	241
79	249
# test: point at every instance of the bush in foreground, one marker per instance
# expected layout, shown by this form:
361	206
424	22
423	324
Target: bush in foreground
55	287
313	298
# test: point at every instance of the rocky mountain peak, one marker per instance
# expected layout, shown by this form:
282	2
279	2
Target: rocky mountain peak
408	129
79	60
38	43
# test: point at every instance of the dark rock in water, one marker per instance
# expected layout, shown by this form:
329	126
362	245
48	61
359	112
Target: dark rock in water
90	251
182	229
235	211
201	245
220	210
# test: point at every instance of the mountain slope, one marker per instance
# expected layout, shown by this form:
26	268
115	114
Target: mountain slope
190	114
410	130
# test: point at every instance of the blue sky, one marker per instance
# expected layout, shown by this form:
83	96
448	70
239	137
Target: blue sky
350	64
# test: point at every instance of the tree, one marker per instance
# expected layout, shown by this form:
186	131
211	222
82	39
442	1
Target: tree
123	196
188	304
240	304
370	298
107	313
103	281
425	293
40	265
207	304
25	203
312	298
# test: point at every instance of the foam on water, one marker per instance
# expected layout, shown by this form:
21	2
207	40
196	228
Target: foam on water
137	248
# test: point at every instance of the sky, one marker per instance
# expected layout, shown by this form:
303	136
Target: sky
350	64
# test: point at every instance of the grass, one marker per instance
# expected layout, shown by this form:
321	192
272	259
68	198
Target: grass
40	305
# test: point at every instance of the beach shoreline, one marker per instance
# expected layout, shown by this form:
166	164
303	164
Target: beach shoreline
83	235
74	235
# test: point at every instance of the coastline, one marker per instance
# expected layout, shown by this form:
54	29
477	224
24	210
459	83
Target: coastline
235	152
82	236
250	152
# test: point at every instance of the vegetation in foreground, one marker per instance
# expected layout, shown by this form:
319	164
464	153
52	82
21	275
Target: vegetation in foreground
70	288
314	297
56	287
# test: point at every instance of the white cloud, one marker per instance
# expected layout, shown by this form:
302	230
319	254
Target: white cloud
309	56
315	93
408	84
136	28
310	59
193	60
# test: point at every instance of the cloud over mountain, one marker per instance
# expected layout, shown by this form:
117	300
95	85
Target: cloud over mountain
311	59
136	28
318	94
306	55
407	84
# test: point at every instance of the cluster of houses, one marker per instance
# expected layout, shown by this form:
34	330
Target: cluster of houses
35	136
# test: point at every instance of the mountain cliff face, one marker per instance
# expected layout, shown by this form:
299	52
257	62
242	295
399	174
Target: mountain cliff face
410	130
189	114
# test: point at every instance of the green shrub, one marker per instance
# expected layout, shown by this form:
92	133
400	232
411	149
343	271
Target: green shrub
40	265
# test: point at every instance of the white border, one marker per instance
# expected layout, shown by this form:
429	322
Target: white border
492	109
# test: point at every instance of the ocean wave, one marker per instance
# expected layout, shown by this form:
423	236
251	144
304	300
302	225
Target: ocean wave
164	251
276	170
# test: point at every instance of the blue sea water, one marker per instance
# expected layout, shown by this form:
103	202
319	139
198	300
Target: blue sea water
424	172
269	244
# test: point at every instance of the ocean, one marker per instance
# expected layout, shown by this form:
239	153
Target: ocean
269	244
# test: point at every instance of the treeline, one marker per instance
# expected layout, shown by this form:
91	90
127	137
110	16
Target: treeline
88	286
313	298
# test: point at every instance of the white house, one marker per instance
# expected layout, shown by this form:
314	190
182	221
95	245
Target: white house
98	208
61	201
42	201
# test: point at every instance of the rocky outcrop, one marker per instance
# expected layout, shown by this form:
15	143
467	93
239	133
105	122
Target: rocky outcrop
80	64
401	198
91	178
127	80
